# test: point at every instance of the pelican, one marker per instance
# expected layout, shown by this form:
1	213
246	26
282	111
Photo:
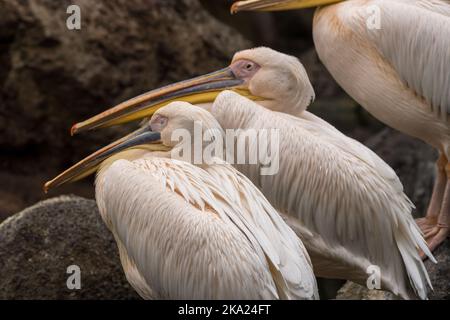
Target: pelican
345	203
190	232
392	57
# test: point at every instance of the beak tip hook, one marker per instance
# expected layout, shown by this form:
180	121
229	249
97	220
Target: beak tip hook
235	7
73	130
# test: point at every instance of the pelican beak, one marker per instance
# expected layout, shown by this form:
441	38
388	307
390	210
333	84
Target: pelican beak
278	5
143	138
202	89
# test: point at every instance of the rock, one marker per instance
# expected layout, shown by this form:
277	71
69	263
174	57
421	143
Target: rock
354	291
38	244
52	77
439	273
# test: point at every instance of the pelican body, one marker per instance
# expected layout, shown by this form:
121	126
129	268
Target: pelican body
192	232
392	57
344	202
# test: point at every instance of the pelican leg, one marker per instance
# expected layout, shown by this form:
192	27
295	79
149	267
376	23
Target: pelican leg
428	223
441	229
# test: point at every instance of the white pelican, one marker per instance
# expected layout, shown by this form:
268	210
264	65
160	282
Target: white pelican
186	232
392	57
347	204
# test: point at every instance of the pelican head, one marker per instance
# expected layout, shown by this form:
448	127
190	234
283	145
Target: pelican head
154	136
278	5
277	81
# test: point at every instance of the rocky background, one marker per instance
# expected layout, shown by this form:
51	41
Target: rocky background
51	77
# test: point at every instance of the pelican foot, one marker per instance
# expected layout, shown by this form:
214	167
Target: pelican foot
435	227
435	237
426	224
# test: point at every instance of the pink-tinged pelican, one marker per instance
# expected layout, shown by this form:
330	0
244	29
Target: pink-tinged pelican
345	203
392	57
189	232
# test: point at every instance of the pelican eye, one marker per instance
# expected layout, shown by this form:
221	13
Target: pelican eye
158	122
244	69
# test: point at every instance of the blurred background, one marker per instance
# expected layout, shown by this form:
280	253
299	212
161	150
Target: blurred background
52	77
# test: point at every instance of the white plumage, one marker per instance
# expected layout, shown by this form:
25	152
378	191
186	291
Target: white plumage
400	74
186	232
350	205
421	57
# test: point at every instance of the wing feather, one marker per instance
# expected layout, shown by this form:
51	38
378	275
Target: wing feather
289	256
337	188
415	40
190	205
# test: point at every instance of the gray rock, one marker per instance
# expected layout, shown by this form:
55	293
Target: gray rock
38	244
439	273
52	76
354	291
